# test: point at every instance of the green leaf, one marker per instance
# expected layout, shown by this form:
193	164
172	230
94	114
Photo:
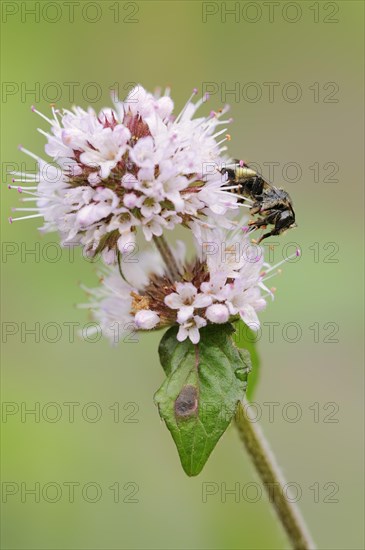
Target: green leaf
246	338
200	394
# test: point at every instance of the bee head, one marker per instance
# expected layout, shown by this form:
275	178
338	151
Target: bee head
229	171
286	221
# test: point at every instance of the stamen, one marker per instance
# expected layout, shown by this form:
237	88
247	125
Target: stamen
22	180
227	138
279	271
25	175
41	115
296	254
219	133
45	134
90	305
21	189
11	220
54	111
48	136
238	196
30	154
223	111
232	187
246	199
195	91
203	99
270	293
89	290
204	224
219	122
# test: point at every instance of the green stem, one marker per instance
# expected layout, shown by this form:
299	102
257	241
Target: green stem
270	474
258	448
168	257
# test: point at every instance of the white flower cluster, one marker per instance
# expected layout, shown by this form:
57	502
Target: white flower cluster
138	166
132	167
221	287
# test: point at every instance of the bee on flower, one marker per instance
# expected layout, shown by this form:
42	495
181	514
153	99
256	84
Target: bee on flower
139	167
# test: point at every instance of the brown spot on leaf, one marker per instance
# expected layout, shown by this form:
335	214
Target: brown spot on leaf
186	403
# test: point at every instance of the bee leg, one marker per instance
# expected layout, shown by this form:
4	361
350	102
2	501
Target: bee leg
255	209
281	220
260	222
263	222
268	234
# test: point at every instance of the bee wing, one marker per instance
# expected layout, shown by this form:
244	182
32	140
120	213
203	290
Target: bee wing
277	191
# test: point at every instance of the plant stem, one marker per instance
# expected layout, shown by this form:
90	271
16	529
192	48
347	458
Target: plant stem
272	478
258	448
167	257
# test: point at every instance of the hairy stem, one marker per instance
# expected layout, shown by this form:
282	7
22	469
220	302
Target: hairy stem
168	257
272	478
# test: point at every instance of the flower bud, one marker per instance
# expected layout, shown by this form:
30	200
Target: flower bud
217	313
130	200
146	319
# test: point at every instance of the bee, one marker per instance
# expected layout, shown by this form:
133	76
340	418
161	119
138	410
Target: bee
272	204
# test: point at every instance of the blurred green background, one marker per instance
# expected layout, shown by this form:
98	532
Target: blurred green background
314	380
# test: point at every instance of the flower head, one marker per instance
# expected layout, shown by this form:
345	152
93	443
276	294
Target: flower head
136	166
208	290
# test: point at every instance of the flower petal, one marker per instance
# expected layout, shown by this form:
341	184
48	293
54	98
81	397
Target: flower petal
194	335
202	300
248	315
182	334
173	301
185	313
